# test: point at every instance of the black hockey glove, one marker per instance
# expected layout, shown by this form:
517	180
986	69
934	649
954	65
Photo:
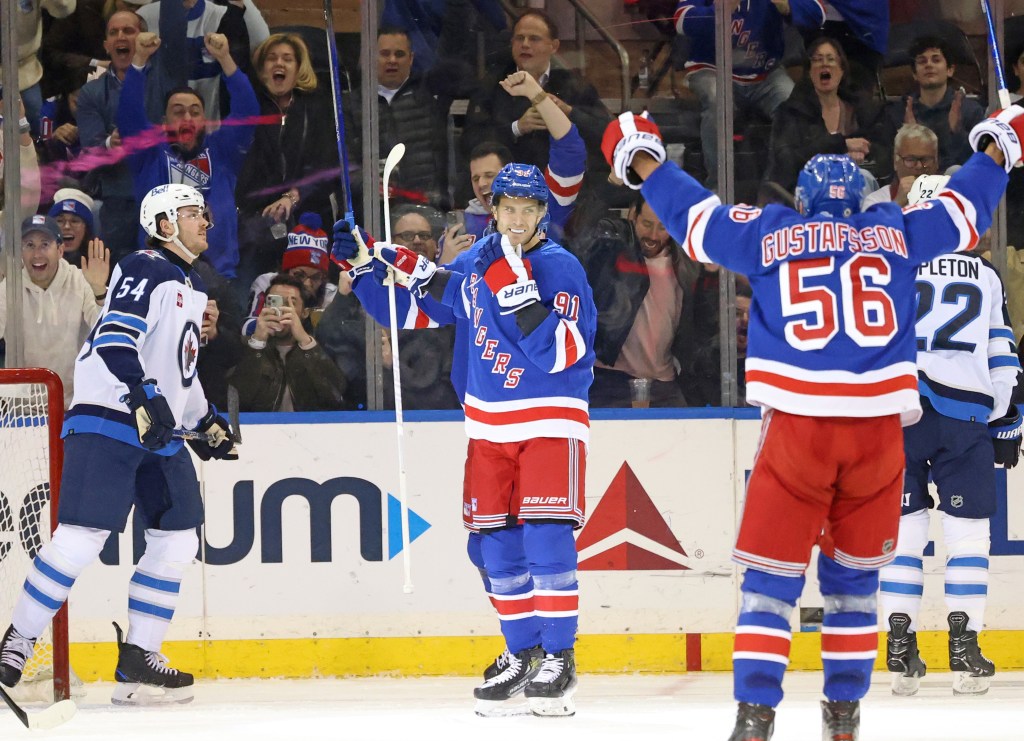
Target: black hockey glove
218	443
1006	438
153	416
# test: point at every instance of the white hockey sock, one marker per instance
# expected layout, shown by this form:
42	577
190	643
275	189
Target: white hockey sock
153	590
52	574
902	582
967	547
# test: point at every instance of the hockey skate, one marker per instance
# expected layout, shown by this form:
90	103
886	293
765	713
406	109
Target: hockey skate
501	695
498	665
902	657
551	691
753	723
15	650
840	720
143	677
972	672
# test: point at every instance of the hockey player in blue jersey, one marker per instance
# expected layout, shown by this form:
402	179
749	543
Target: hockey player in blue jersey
525	363
135	387
967	368
831	361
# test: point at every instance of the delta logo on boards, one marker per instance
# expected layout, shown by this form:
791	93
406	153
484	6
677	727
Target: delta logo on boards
627	533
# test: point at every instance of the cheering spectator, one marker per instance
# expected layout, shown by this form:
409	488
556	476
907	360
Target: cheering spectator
293	156
950	114
29	164
60	302
187	154
283	368
821	118
643	288
72	210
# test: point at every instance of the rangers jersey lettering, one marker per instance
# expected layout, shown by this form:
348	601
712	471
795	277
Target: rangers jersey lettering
966	355
514	387
149	328
832	321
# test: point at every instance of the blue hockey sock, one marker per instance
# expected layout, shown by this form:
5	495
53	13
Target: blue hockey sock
849	630
763	636
476	557
551	550
511	587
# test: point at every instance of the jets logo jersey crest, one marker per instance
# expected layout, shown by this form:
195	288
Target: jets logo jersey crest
149	328
966	355
832	319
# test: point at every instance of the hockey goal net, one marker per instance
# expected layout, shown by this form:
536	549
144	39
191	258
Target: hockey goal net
31	456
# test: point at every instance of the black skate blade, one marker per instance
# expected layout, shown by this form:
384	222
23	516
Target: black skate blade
514	706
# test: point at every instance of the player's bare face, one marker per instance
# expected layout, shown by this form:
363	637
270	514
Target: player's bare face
40	254
931	70
482	172
119	43
826	69
280	69
192	226
185	120
72	230
651	233
532	45
518	218
394	60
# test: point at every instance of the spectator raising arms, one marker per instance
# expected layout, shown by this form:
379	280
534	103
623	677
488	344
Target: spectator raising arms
187	154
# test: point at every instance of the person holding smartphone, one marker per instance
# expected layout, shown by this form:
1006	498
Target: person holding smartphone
284	369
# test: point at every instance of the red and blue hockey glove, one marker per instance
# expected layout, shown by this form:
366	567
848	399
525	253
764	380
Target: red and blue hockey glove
1006	438
352	250
623	138
509	277
153	417
218	443
410	269
1006	129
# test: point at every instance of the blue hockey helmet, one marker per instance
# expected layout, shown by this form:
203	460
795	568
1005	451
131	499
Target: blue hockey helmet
830	184
517	180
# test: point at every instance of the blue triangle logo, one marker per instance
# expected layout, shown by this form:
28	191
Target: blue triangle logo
417	526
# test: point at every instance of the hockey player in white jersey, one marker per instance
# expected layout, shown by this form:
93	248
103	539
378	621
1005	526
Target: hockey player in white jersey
967	368
135	386
831	361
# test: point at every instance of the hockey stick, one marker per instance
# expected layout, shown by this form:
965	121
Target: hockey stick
51	717
997	60
339	118
394	157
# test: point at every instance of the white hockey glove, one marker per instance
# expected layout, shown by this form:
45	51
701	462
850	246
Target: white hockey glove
1006	128
409	269
509	276
623	138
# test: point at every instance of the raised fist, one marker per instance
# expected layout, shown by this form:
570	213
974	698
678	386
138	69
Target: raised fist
623	138
146	44
1006	129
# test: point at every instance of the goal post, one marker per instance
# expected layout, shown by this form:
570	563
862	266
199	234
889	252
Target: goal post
31	457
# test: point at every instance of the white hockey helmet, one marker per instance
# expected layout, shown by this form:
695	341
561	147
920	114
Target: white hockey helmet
167	199
926	187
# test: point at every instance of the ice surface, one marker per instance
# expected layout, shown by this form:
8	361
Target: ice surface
678	707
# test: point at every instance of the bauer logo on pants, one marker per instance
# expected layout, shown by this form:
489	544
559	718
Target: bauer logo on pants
627	533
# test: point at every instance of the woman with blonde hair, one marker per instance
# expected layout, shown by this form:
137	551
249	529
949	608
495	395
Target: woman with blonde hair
293	161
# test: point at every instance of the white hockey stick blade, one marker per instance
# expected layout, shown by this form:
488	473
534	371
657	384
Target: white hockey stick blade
53	716
394	157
